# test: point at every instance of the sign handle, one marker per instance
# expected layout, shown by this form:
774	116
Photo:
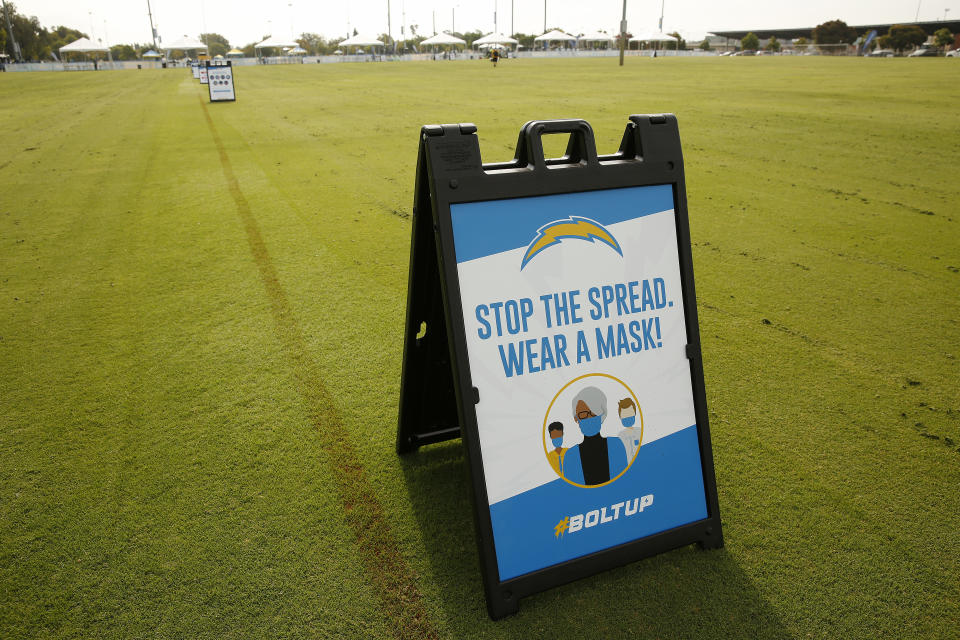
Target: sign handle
581	148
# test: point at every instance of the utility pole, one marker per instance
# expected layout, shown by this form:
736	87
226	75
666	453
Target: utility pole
511	19
544	16
623	31
389	29
13	40
153	30
662	2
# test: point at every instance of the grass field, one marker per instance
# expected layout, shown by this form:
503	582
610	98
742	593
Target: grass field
201	317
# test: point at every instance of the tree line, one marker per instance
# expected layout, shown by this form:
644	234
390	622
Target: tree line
35	41
899	37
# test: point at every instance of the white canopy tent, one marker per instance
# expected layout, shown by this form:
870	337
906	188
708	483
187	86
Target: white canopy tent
186	43
275	42
655	37
652	36
83	45
151	54
495	38
595	38
555	36
443	39
361	40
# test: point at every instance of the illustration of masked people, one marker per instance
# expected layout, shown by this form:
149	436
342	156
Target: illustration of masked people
630	434
597	459
555	456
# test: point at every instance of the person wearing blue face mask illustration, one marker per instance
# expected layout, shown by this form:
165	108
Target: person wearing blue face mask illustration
630	434
597	459
555	457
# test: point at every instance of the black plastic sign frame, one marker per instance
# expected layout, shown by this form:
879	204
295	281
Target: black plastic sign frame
564	493
221	83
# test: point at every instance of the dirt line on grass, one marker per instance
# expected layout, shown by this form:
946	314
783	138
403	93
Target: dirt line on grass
395	582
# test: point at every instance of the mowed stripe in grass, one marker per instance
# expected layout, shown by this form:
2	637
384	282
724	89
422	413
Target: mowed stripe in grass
148	415
385	566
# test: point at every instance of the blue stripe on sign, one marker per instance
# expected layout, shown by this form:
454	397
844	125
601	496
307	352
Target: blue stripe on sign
493	226
669	469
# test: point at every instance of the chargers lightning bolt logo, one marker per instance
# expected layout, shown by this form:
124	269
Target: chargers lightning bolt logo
573	227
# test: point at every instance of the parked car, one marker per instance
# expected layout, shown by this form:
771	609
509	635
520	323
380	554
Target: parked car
749	52
881	53
927	52
953	54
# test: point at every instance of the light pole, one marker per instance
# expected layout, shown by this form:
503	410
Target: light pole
153	30
203	24
389	28
544	16
623	31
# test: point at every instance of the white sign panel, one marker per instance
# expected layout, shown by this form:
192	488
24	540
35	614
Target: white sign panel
220	83
575	330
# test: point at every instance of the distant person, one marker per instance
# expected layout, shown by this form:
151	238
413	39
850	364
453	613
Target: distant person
495	56
556	455
597	459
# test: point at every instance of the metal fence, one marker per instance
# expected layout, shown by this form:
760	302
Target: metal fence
103	65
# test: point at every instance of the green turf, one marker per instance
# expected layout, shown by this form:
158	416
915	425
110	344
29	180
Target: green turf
193	358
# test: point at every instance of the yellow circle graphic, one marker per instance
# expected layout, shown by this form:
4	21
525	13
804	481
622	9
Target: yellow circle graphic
546	418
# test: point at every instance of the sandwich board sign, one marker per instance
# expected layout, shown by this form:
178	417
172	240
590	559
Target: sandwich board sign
195	69
203	73
552	325
220	82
